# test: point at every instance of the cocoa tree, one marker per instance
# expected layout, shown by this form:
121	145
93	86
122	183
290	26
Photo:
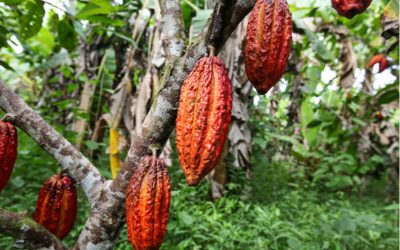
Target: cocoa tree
107	197
153	126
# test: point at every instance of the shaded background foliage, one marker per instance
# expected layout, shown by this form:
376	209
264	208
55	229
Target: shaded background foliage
323	168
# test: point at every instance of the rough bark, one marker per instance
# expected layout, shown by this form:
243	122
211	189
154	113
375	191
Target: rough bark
106	218
77	165
30	235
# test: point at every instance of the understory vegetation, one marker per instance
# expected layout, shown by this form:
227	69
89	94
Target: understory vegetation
271	212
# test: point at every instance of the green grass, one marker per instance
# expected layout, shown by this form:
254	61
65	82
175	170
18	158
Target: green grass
271	213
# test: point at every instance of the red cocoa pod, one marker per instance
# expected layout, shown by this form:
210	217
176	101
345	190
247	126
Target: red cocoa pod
203	120
381	59
8	151
147	204
268	43
350	8
56	206
379	116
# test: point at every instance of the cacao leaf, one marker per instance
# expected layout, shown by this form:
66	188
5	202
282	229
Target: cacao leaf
307	115
31	22
388	97
314	123
3	37
92	9
67	35
12	2
6	66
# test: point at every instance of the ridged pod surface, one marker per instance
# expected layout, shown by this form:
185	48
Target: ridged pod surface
8	151
56	207
203	120
147	204
350	8
268	43
381	59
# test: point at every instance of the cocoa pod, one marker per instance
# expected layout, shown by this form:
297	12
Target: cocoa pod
268	43
147	204
203	119
379	58
350	8
8	151
56	206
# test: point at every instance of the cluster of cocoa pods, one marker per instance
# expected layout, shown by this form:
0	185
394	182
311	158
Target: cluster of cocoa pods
202	125
204	116
56	206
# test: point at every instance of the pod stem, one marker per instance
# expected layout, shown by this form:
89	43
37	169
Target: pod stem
8	117
212	50
154	148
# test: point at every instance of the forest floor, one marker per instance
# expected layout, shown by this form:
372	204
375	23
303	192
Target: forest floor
270	213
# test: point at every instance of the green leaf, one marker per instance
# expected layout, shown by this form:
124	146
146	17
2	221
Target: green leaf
3	37
388	96
31	22
307	116
314	123
339	182
67	35
12	2
92	145
319	48
96	7
185	218
282	138
53	20
6	66
43	43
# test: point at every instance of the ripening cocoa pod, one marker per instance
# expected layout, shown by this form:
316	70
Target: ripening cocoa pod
56	206
350	8
147	204
379	58
379	116
268	43
8	151
203	120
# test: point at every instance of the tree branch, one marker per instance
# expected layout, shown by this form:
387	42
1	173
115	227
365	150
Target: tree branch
173	34
80	168
107	218
30	234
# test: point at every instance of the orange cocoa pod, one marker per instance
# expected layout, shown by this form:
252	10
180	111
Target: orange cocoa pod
147	204
56	206
268	43
350	8
379	58
203	119
8	151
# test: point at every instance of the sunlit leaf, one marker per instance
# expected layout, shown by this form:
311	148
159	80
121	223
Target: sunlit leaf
31	21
